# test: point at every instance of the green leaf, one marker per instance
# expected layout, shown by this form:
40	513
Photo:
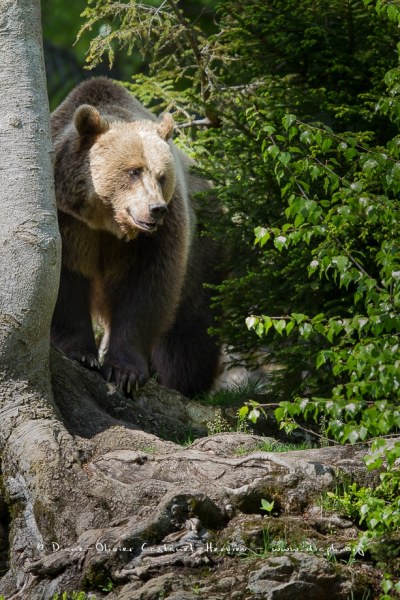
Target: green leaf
279	413
341	262
268	323
288	120
323	357
260	329
299	317
326	145
280	242
251	322
372	523
280	326
243	412
393	12
289	327
306	137
267	506
253	415
305	330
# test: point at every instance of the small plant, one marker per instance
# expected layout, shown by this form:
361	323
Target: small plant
242	425
218	424
281	546
108	587
187	441
331	501
196	589
267	547
267	506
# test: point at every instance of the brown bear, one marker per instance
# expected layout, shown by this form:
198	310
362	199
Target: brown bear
130	253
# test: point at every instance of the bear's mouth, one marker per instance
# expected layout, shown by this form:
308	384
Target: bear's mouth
146	225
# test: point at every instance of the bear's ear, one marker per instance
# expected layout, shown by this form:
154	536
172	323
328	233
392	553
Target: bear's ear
165	126
88	121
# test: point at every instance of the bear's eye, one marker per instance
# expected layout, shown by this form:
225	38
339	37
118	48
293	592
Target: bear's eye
134	173
162	179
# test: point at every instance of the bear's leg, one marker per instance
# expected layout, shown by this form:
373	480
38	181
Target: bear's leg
124	349
71	327
186	359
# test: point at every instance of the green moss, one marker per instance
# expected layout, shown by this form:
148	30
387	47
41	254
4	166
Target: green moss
148	449
385	551
277	534
45	520
98	578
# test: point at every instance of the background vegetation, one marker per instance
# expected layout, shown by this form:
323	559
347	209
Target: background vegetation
292	110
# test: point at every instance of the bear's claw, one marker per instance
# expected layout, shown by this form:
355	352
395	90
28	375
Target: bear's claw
87	359
126	377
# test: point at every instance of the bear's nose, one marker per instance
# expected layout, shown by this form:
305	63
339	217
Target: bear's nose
157	211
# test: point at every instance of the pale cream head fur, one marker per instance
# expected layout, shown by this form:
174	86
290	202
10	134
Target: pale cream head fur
132	171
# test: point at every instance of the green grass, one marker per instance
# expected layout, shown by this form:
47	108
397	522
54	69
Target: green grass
276	446
235	394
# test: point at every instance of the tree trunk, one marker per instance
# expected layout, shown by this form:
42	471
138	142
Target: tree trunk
29	271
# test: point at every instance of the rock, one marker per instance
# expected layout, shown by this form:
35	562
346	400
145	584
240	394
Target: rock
226	584
182	595
156	588
230	444
298	575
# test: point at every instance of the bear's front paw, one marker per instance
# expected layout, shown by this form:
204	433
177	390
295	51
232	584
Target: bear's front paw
87	359
128	376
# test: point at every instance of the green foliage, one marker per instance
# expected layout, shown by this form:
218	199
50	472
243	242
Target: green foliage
351	225
108	586
379	509
72	596
388	585
251	410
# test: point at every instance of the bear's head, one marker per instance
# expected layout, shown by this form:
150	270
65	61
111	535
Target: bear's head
132	172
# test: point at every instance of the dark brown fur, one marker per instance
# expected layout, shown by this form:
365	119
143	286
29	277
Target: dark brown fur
146	287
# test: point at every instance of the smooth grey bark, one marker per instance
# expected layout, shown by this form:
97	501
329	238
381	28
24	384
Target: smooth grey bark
29	269
29	238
